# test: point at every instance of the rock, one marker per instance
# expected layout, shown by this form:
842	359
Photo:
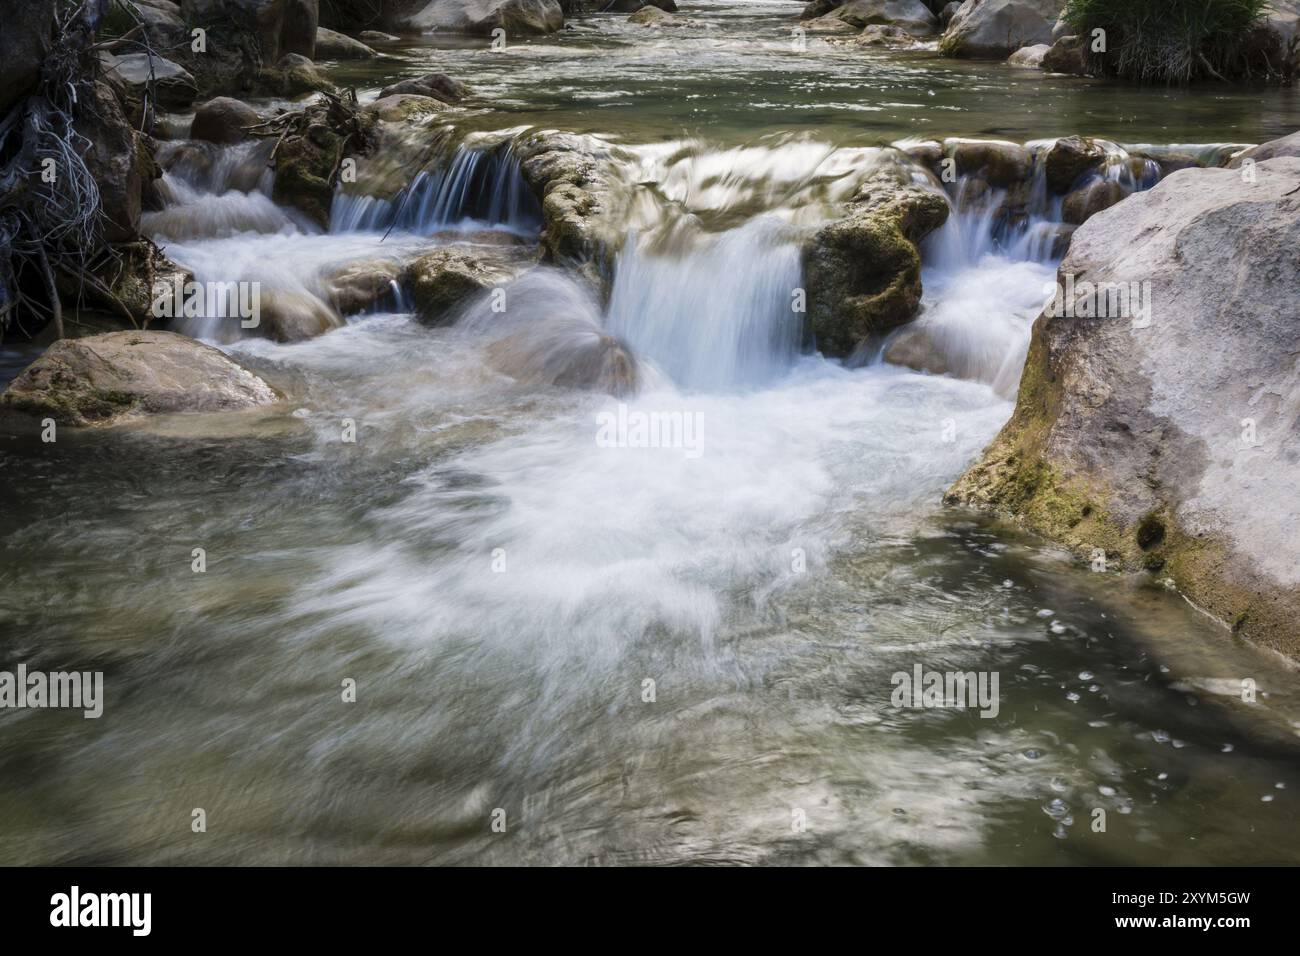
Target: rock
1286	146
817	9
101	379
118	159
377	38
306	159
910	15
1171	446
174	87
998	163
1060	28
863	273
1069	158
632	6
294	75
1066	56
291	316
357	286
879	35
399	108
566	173
948	12
222	120
163	24
27	34
649	16
449	277
437	85
566	354
826	24
994	29
516	17
339	46
278	27
1029	57
1089	199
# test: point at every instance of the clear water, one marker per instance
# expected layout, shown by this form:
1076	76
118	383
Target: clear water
501	584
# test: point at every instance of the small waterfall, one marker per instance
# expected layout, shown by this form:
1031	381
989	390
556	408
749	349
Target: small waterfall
478	187
714	316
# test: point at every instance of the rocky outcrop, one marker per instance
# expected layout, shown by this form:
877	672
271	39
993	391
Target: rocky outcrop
339	46
223	120
287	315
102	379
862	273
1164	433
1069	158
446	278
910	15
994	29
307	157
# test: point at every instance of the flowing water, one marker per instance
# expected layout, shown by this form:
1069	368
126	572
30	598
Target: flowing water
640	654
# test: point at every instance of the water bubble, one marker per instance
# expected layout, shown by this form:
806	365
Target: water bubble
1046	612
1008	583
1106	791
1085	675
1057	627
1280	785
1162	776
1160	736
1227	748
1266	798
1033	754
1072	696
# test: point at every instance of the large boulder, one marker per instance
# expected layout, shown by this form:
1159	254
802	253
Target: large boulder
26	37
910	15
1282	21
567	173
162	22
223	120
1066	55
102	379
291	315
1164	434
994	29
1069	158
277	26
1029	57
862	273
516	17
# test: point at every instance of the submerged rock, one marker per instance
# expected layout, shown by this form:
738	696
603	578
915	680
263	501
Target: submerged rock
102	379
566	353
863	272
401	107
358	286
1163	434
291	316
1089	199
994	29
1286	146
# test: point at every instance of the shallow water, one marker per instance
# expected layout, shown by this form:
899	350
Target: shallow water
502	583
